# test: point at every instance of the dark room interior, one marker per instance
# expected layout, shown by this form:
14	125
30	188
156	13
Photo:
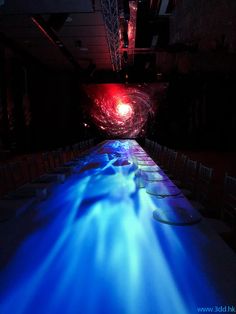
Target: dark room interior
117	156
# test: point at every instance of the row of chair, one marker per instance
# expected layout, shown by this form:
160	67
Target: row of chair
28	168
196	181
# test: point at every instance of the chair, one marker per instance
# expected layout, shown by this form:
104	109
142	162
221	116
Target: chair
19	186
227	224
4	180
47	163
64	169
179	170
171	161
151	148
67	153
33	167
91	142
228	211
61	155
41	169
189	180
56	158
147	143
157	152
203	187
75	150
164	156
16	174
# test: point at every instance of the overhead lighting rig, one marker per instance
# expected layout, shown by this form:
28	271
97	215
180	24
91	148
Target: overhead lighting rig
120	22
111	20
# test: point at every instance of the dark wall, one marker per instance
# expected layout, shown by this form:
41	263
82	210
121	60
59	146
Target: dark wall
39	108
54	105
209	24
198	113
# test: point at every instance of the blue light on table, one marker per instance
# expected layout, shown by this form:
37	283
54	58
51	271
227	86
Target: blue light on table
93	247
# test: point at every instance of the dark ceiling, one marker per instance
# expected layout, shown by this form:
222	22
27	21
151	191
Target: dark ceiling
138	39
80	30
63	34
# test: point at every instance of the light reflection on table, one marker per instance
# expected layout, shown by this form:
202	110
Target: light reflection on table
94	247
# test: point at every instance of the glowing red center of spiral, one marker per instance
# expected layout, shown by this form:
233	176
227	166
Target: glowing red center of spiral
124	110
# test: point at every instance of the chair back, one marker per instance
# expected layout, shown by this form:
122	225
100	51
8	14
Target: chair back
180	167
33	167
157	152
4	180
190	174
16	174
47	162
147	143
204	183
164	155
171	161
228	211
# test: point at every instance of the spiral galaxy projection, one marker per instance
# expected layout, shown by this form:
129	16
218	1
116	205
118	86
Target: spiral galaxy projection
120	110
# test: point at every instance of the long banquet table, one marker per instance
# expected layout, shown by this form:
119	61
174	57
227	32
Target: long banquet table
117	237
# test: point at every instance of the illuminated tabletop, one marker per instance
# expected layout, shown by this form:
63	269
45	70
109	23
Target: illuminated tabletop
102	243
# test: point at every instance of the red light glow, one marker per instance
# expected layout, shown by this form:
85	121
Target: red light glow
120	110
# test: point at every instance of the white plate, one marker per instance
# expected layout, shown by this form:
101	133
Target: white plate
176	216
163	190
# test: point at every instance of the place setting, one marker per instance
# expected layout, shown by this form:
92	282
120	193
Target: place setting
145	163
144	158
163	189
175	211
153	176
153	168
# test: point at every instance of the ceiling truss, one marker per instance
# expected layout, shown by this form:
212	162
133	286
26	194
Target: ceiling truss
111	20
